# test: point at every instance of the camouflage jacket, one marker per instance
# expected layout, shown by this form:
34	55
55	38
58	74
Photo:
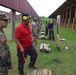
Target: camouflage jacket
34	29
4	49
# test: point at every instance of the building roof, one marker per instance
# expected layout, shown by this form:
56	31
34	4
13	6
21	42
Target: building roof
66	4
22	6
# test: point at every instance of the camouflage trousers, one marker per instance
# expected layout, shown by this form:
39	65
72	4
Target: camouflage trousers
5	64
3	68
8	61
34	41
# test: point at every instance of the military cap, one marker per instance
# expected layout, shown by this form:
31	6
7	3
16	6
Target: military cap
3	16
35	18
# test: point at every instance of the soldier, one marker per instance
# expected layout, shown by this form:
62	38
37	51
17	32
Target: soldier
34	31
5	58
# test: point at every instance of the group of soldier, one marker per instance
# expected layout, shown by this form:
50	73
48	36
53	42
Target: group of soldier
5	56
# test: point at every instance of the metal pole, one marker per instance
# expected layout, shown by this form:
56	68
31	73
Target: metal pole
12	23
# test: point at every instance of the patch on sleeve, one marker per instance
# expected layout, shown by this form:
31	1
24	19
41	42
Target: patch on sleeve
2	37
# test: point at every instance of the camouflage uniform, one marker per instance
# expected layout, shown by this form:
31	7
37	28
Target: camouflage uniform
5	59
37	29
34	33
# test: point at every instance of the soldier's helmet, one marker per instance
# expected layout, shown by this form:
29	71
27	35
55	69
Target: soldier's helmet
3	16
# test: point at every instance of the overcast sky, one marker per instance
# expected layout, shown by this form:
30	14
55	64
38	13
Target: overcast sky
42	7
45	7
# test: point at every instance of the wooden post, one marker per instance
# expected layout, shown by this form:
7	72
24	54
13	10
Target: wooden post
74	20
58	32
66	20
69	20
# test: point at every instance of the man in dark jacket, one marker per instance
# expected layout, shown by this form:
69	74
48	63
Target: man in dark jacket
51	31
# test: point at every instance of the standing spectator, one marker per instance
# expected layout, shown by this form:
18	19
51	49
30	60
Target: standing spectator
51	30
34	31
46	28
5	58
23	40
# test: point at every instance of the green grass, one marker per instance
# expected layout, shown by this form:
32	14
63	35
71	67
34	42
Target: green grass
44	19
61	62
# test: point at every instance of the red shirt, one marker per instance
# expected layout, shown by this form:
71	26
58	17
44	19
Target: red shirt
23	34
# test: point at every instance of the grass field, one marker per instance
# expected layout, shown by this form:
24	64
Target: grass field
61	62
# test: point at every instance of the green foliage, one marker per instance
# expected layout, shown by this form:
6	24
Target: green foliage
61	62
44	19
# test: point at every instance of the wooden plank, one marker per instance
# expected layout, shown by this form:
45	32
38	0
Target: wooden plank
42	36
46	47
49	72
39	72
42	33
45	72
41	46
34	72
29	73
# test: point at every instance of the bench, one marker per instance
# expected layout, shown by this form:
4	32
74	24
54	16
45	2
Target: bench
44	47
40	72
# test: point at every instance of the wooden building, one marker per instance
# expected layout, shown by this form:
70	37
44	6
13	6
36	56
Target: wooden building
67	12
